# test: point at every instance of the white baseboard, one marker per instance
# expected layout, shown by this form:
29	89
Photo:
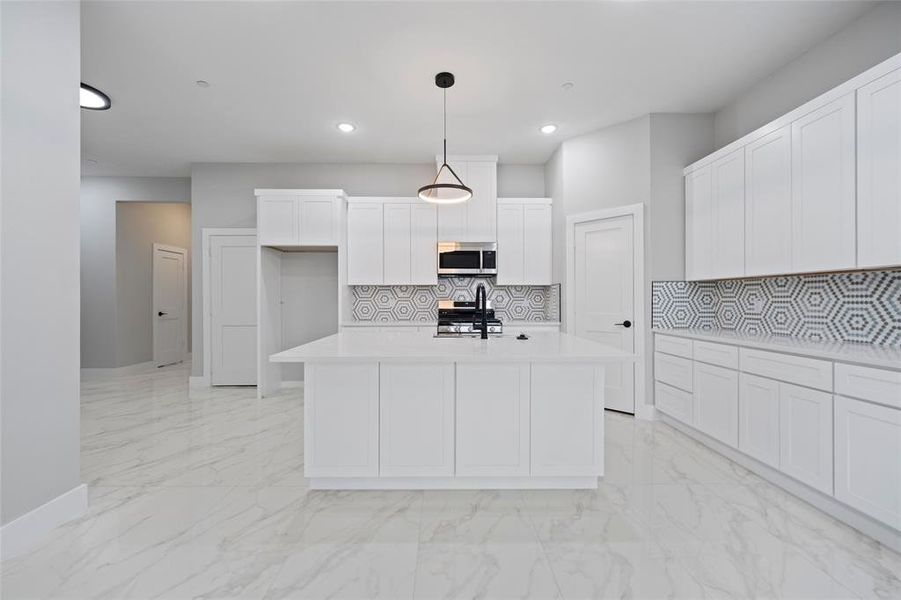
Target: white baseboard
198	382
291	384
22	534
143	367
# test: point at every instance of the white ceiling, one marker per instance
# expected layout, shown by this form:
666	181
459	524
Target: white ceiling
283	74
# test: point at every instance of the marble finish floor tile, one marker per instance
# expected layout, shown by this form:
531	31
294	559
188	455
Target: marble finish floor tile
200	494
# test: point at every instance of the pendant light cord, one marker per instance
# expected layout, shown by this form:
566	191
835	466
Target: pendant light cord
445	125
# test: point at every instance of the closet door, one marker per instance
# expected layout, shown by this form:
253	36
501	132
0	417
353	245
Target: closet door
768	204
823	194
728	204
699	224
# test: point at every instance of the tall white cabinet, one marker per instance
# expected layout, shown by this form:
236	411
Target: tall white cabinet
524	241
474	220
768	207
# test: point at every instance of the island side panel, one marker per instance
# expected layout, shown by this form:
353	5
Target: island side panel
341	419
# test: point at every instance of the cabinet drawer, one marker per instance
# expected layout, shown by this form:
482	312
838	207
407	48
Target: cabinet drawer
673	345
876	385
785	367
673	402
716	354
673	370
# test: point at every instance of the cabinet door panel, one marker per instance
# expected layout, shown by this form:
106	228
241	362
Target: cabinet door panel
673	402
423	245
729	215
567	420
365	251
699	224
806	435
868	459
716	402
492	420
277	220
768	204
397	234
482	207
452	218
879	172
510	236
318	221
416	420
537	244
823	194
758	418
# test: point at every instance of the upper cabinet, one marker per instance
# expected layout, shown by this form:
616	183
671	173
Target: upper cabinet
879	172
365	243
818	189
299	217
524	241
475	219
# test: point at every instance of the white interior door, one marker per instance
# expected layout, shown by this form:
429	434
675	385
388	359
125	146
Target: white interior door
170	300
604	284
233	310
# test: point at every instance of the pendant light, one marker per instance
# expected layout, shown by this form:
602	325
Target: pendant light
440	192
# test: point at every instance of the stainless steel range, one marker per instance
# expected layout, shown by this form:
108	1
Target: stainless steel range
461	318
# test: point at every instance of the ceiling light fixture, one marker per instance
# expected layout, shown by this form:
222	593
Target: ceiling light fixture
548	129
445	193
346	127
93	99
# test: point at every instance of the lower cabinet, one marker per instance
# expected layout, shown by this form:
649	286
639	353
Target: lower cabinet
805	423
416	420
716	402
341	424
492	419
673	402
868	458
567	420
758	418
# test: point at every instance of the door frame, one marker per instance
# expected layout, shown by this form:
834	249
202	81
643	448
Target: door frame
206	235
184	284
636	211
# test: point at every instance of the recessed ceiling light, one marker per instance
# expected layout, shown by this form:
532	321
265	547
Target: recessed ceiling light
90	161
93	99
548	129
346	127
567	85
202	83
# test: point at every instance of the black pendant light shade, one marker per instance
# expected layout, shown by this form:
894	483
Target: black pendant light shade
447	187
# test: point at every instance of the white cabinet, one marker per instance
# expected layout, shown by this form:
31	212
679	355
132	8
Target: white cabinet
365	243
879	172
524	241
567	420
673	402
299	217
492	419
716	402
823	194
758	418
416	420
868	459
699	224
768	204
341	420
423	244
475	219
397	239
805	424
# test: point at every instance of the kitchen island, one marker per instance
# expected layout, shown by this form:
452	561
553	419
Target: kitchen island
407	410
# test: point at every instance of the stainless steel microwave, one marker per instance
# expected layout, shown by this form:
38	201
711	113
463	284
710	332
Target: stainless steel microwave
467	258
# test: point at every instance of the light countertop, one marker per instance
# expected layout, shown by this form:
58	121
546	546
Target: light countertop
412	346
846	352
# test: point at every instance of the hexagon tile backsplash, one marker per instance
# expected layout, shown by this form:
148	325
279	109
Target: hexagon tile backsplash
419	303
846	307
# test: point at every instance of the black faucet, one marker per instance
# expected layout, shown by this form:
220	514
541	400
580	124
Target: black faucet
480	291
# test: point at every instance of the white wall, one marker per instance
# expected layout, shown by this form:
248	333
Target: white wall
40	147
222	196
139	225
874	37
99	196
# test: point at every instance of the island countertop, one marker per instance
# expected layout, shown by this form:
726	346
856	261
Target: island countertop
413	346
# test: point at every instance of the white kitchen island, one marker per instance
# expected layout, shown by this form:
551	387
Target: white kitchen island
406	410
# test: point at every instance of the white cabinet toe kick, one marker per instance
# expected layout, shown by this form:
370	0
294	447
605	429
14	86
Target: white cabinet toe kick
453	425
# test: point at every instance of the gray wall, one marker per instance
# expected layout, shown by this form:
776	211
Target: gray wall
99	196
40	146
864	43
138	226
222	196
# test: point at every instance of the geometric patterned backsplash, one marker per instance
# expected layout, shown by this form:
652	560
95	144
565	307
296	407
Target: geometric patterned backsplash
847	307
419	303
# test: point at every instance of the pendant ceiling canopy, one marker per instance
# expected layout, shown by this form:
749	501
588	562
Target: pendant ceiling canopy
447	187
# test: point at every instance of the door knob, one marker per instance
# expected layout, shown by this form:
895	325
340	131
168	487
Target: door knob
625	324
161	313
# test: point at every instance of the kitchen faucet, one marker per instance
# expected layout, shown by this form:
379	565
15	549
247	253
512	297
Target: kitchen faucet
480	291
